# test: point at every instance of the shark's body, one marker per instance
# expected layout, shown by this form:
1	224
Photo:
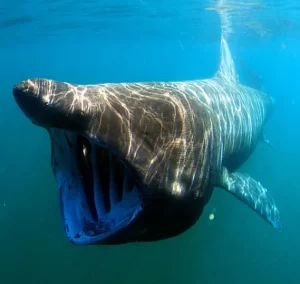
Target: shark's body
139	161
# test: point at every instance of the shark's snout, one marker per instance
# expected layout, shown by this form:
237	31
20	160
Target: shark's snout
18	91
46	104
26	96
28	86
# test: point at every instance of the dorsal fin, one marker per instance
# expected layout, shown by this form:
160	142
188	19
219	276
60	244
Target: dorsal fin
227	70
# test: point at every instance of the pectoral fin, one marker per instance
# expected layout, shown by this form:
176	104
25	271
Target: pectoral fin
251	192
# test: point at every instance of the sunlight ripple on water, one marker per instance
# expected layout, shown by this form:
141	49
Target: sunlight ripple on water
145	19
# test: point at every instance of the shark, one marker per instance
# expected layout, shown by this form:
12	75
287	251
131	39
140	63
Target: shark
139	161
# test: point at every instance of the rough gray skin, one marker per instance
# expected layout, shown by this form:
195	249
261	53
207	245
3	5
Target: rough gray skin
179	139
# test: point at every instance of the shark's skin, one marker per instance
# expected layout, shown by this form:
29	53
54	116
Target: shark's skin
139	161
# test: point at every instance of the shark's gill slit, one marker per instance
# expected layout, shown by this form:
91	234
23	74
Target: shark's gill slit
86	171
116	179
128	182
68	141
102	166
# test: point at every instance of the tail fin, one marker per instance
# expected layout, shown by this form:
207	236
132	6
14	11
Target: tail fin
227	69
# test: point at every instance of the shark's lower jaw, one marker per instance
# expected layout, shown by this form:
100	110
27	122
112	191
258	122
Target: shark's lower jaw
99	199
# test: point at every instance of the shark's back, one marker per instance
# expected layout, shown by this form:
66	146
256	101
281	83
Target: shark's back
240	112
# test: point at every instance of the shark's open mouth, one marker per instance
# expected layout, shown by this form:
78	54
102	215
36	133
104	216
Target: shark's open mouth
98	193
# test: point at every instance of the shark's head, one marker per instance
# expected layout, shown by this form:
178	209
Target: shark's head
125	161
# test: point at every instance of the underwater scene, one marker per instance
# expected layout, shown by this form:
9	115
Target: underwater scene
147	141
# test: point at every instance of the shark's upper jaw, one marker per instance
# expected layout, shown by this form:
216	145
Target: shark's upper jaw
100	201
